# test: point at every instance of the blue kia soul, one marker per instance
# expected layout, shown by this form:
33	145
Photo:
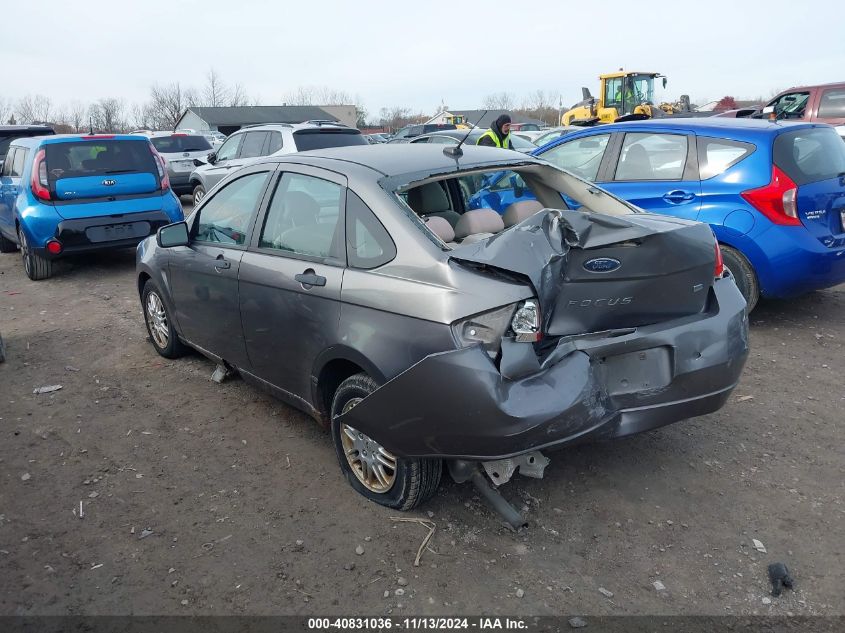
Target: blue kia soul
774	193
68	194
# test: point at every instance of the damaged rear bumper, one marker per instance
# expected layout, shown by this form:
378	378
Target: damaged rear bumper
458	405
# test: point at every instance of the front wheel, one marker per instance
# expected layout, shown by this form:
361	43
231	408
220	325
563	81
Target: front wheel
36	266
159	325
744	275
389	480
199	194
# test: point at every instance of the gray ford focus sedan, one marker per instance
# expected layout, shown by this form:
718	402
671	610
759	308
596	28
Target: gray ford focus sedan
358	285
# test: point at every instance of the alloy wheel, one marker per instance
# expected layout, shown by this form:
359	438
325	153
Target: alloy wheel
157	320
373	465
198	196
24	251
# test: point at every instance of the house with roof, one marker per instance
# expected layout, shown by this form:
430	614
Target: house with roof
479	118
231	119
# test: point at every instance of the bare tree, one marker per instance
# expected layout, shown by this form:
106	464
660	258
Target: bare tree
107	114
541	105
34	108
398	116
237	97
499	101
167	104
318	95
6	110
76	115
215	93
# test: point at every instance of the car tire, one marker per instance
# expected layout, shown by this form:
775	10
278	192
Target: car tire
163	335
198	194
744	275
7	246
413	480
35	266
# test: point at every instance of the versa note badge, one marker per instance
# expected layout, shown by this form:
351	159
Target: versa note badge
602	265
108	182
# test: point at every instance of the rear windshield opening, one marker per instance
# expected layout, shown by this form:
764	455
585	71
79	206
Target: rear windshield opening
97	158
475	205
180	143
810	154
324	138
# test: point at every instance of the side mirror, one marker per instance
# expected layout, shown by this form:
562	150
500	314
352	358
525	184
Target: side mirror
768	109
173	235
212	158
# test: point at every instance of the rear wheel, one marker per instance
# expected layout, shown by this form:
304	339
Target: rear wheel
159	325
199	194
7	246
36	266
392	481
743	272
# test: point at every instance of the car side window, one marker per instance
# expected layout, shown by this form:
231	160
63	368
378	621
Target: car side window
19	162
8	161
832	104
274	144
303	217
368	244
717	155
225	217
229	149
582	156
253	144
791	105
650	156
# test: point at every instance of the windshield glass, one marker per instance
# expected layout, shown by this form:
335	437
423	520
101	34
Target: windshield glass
98	157
178	143
322	139
810	154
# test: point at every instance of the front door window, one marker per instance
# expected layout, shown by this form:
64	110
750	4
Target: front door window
225	217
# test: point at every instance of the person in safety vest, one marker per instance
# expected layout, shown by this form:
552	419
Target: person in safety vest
499	134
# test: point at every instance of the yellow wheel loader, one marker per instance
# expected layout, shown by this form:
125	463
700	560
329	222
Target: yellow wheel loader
623	96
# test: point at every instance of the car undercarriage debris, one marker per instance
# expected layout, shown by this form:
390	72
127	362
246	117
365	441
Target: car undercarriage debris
530	464
463	471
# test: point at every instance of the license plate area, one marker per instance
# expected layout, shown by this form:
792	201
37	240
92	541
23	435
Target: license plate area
116	232
187	165
643	370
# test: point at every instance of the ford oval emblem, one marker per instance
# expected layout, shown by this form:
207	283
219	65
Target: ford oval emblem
602	265
108	182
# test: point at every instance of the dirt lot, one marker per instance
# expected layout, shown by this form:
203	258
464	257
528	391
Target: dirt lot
212	499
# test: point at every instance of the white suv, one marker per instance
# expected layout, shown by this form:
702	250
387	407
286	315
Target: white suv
252	142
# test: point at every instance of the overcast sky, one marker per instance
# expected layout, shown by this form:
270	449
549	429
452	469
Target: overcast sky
455	51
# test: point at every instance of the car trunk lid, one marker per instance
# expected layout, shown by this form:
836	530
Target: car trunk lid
595	272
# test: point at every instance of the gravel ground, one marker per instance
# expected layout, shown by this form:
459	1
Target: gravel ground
200	498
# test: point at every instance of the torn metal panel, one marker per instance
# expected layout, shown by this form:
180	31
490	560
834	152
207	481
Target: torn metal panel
662	267
460	405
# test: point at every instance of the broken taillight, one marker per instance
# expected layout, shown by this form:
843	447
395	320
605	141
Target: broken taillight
526	322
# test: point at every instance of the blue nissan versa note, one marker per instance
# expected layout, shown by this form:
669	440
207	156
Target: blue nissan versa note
67	194
773	193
